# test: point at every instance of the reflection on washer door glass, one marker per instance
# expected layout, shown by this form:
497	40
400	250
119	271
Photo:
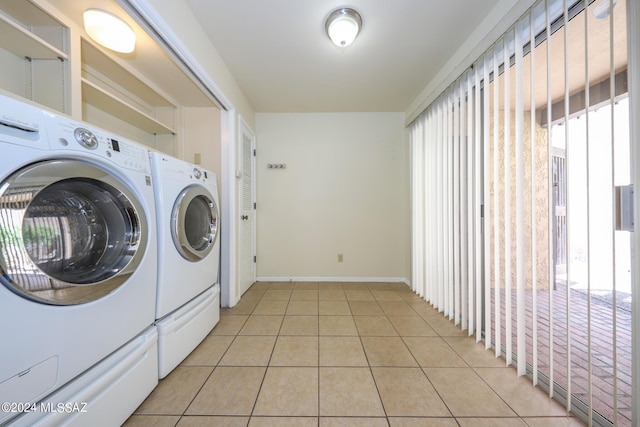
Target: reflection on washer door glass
198	223
73	232
78	231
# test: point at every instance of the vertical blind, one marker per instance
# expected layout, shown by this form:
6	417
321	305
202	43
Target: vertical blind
486	216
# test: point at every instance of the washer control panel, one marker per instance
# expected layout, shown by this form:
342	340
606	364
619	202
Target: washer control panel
70	135
86	138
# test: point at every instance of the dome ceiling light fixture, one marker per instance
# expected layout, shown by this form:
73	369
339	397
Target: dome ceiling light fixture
343	25
109	30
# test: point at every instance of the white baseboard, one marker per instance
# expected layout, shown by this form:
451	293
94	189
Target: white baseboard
335	279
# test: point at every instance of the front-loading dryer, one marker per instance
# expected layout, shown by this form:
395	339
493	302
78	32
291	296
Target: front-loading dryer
188	296
77	249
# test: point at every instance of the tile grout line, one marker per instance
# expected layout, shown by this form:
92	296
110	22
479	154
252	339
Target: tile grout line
384	409
264	376
210	373
318	359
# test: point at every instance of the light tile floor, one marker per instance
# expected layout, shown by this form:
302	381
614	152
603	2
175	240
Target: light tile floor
343	354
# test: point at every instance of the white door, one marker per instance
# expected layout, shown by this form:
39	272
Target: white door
247	263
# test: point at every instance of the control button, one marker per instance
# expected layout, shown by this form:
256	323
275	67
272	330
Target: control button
63	141
86	138
196	173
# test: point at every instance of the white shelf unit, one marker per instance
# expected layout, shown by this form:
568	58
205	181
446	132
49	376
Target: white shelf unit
48	58
105	101
114	92
25	43
33	53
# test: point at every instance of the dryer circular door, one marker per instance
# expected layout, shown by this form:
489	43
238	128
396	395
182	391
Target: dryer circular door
194	223
70	233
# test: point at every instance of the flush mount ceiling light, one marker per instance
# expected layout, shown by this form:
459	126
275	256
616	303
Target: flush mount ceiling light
109	30
343	25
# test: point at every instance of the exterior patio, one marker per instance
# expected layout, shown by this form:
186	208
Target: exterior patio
608	348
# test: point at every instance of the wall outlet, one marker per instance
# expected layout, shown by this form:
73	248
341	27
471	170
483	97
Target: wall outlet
340	257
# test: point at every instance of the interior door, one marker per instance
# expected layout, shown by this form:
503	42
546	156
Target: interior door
247	240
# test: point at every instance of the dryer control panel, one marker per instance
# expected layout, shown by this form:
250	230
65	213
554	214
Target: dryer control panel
181	171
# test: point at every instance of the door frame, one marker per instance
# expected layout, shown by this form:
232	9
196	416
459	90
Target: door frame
633	67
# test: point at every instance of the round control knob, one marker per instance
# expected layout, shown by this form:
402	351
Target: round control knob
86	138
196	173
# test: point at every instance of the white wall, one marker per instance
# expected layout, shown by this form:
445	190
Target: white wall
202	136
343	191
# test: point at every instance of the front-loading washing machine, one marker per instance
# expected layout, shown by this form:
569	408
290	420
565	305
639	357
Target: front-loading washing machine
188	296
78	259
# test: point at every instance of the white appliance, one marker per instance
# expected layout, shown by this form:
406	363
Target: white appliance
188	297
104	396
78	258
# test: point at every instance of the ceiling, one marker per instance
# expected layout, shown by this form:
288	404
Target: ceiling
283	61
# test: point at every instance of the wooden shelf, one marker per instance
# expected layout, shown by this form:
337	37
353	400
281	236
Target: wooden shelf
97	62
25	44
100	98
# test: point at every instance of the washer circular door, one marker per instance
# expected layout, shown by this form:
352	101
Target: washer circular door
70	232
194	223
